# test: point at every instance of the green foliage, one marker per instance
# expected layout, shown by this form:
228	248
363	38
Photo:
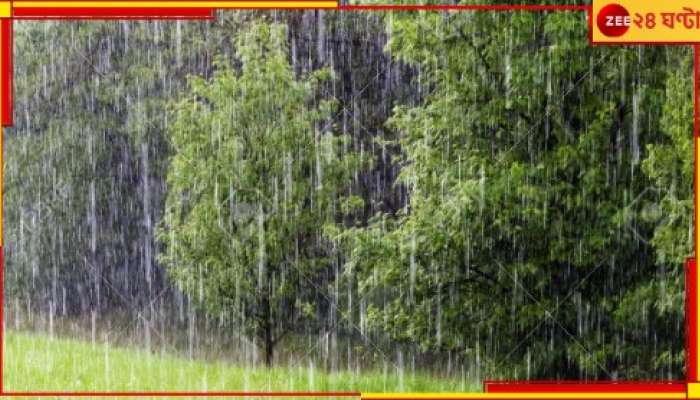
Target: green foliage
255	176
538	225
523	171
670	166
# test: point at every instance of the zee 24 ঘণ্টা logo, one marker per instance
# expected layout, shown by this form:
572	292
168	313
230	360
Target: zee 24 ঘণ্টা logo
648	21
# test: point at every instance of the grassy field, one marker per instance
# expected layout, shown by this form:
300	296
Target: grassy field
37	363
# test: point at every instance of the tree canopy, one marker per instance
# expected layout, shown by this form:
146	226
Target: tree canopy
257	173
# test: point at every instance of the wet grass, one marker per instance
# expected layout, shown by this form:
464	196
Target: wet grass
35	362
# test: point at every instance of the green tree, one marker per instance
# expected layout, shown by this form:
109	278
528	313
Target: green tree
522	242
669	165
253	181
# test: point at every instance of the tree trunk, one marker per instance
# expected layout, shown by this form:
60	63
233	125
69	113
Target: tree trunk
266	331
269	349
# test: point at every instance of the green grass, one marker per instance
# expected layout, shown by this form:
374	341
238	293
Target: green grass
35	362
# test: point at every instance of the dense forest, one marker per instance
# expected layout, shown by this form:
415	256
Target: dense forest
481	194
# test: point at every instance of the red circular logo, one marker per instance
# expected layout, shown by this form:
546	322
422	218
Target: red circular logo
613	20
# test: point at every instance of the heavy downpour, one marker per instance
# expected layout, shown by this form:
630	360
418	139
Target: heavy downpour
334	200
